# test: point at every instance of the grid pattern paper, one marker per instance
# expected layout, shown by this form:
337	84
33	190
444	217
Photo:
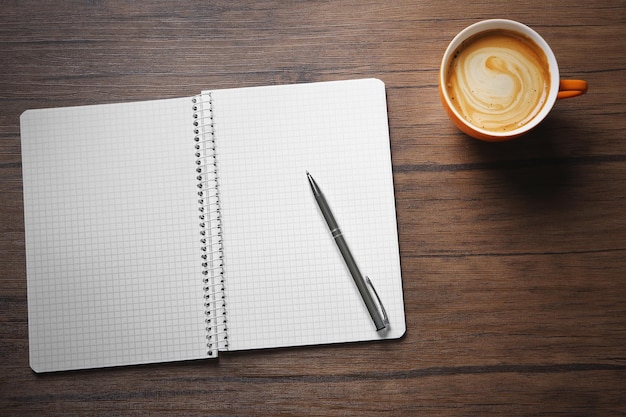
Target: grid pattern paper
112	242
286	283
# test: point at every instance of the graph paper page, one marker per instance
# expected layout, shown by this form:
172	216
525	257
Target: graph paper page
112	235
286	282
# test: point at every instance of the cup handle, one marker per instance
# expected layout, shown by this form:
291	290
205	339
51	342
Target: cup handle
571	88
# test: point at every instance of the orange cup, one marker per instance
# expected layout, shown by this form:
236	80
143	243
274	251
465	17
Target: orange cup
487	80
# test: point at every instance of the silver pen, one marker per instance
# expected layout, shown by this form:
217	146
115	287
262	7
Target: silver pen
379	316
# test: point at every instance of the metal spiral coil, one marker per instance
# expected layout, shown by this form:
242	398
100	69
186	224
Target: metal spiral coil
210	224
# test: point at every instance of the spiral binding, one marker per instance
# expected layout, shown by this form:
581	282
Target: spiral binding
210	225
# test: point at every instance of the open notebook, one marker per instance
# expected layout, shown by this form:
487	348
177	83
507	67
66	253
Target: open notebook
174	229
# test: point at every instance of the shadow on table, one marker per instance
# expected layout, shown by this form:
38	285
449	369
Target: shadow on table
542	166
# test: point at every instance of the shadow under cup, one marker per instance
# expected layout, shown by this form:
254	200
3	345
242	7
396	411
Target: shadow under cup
539	111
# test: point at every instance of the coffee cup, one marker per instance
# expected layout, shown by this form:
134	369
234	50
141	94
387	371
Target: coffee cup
499	79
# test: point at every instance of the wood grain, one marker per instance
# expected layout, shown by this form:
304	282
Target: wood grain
513	254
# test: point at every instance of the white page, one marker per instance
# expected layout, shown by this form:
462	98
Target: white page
286	283
112	235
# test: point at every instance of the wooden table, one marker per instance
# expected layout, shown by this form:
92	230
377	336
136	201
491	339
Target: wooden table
513	254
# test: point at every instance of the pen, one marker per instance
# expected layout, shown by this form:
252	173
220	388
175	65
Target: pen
380	319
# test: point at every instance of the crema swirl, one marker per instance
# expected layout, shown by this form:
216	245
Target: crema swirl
498	80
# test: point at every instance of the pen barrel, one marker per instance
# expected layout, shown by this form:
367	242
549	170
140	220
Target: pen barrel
378	320
358	280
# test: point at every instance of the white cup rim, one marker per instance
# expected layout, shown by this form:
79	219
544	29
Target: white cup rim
512	25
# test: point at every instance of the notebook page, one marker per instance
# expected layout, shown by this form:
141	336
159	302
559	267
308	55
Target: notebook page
286	282
112	242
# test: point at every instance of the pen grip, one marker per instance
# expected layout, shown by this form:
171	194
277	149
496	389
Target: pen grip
328	215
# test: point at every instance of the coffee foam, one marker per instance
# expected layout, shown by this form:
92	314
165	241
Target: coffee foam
498	80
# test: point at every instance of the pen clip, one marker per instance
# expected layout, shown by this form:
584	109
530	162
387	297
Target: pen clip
380	303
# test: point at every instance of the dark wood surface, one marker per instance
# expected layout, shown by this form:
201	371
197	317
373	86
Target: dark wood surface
513	254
